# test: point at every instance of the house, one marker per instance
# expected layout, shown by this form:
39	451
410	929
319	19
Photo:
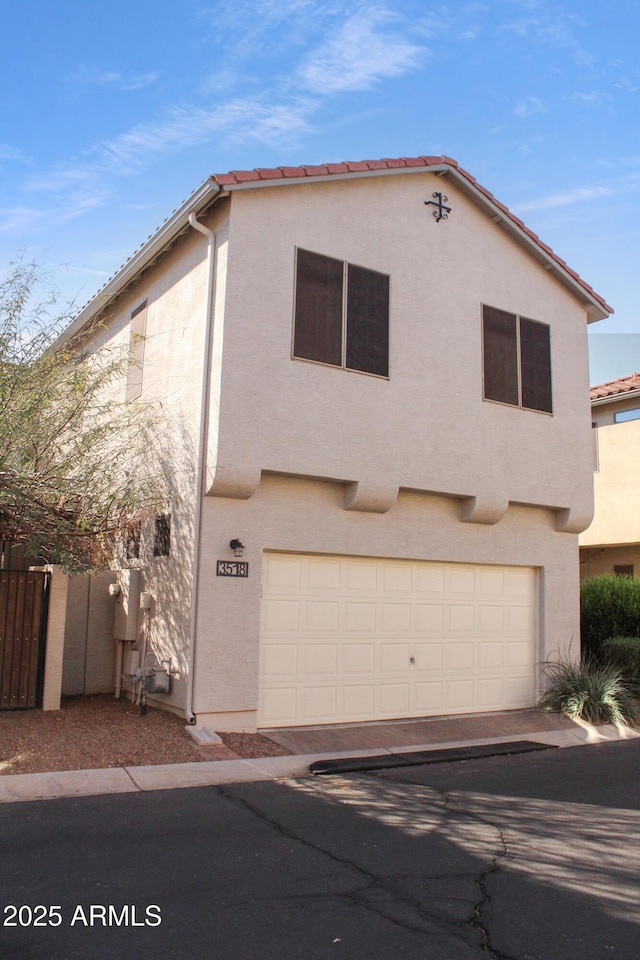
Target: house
611	544
378	446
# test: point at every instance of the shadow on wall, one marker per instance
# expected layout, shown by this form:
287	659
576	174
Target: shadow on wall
161	632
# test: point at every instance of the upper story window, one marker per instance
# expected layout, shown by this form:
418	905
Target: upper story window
136	352
623	415
341	314
517	360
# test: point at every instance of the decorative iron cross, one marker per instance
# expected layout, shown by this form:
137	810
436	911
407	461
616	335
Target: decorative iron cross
442	212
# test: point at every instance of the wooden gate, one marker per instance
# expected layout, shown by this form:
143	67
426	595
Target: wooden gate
23	623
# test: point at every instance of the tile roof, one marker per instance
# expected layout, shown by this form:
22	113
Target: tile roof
239	179
616	388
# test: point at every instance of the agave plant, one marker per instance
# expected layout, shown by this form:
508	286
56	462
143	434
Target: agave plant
588	691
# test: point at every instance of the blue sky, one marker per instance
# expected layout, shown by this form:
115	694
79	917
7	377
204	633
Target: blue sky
114	112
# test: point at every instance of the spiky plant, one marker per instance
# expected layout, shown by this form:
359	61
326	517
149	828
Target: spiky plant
591	692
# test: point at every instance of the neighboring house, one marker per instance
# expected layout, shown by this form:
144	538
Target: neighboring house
612	543
375	379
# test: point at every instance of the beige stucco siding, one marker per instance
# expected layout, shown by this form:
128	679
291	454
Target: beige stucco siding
616	485
174	290
426	427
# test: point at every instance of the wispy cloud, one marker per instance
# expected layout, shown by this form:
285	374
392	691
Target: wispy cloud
553	27
575	195
530	107
7	152
188	125
592	99
365	50
92	76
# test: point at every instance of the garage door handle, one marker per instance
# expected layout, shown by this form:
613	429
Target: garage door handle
412	659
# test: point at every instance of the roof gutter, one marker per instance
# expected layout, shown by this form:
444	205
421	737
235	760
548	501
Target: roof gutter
613	397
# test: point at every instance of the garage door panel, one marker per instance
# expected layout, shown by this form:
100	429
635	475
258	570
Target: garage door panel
358	658
461	618
431	580
350	638
491	618
321	616
519	655
394	617
323	576
280	660
394	657
279	705
360	617
359	701
429	657
360	577
320	659
281	616
490	693
460	656
318	703
428	697
397	578
459	696
429	617
394	699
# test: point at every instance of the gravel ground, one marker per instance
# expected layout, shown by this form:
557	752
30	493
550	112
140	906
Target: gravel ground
98	732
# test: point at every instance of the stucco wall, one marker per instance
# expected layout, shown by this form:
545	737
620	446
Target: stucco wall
175	291
427	426
616	484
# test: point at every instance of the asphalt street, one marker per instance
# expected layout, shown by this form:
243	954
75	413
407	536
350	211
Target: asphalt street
531	857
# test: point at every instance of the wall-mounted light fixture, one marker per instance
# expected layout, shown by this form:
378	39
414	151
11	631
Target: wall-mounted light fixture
237	547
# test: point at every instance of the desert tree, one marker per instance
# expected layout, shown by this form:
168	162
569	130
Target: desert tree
75	464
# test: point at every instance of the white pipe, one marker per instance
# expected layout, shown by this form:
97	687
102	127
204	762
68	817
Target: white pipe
202	457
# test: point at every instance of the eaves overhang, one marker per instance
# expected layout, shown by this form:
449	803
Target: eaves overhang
219	185
199	201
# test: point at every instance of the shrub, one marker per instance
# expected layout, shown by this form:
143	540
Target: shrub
624	653
589	691
609	607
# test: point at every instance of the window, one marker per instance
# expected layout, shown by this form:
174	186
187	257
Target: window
623	569
162	537
623	415
136	352
132	541
517	360
341	314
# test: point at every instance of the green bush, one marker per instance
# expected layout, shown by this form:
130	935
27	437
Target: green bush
609	607
589	691
624	653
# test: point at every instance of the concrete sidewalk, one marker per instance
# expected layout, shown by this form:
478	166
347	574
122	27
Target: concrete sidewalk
418	735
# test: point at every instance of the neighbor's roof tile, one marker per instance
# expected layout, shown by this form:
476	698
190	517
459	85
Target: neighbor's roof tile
614	388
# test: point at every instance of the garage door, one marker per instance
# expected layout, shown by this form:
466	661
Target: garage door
351	638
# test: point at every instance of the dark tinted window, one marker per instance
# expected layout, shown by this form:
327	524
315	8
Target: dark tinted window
367	321
318	312
535	365
162	538
500	355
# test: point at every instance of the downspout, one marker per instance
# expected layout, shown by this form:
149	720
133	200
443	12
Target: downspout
202	456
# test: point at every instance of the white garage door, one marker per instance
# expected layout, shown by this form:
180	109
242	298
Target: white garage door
352	638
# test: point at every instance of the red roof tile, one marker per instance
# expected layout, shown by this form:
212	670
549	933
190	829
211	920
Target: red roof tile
614	388
236	178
